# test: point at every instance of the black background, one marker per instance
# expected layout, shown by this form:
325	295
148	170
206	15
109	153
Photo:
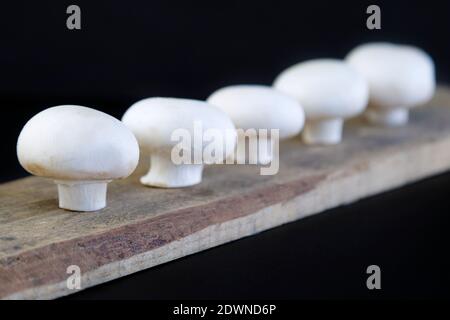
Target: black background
128	50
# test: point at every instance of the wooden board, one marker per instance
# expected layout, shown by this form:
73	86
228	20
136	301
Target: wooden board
143	227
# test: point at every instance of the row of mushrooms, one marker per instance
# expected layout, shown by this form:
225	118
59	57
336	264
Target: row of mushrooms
83	149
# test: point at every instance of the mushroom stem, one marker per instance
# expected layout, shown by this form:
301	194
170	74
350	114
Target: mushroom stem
82	195
326	131
260	153
389	118
165	174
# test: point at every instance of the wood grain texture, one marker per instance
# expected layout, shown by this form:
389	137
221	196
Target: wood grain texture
143	227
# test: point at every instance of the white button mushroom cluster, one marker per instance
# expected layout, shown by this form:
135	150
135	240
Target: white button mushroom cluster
400	77
155	122
329	91
83	149
256	110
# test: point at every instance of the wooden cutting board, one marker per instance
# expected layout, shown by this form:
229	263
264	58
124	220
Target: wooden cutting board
143	227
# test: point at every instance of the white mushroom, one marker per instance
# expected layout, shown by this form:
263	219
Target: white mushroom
81	149
400	77
254	108
329	91
159	122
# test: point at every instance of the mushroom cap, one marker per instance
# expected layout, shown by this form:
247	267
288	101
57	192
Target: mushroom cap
260	107
72	142
398	75
326	88
154	120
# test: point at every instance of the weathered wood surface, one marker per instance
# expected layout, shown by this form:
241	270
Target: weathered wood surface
143	227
